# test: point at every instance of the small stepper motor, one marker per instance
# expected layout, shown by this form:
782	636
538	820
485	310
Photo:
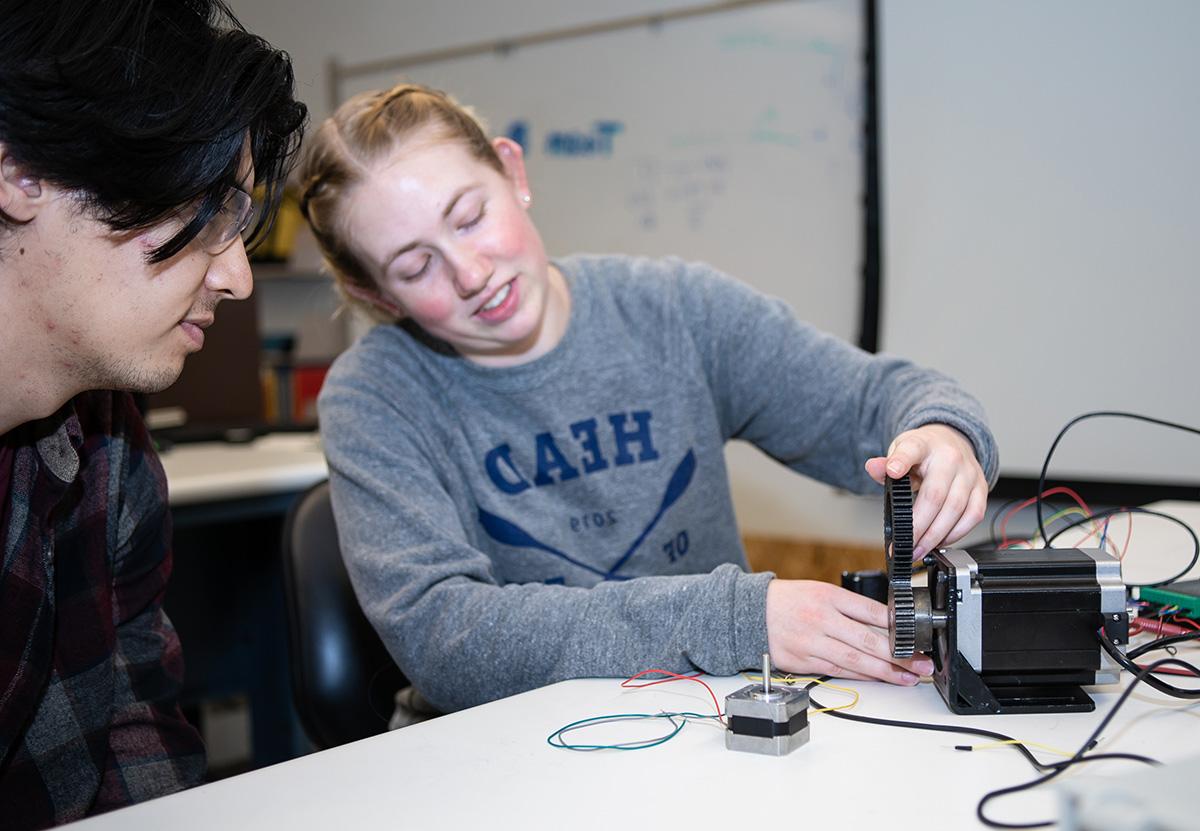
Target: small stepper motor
766	719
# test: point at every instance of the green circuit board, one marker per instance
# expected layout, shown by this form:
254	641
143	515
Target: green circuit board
1185	595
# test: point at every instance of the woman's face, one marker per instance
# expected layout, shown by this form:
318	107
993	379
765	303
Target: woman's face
450	244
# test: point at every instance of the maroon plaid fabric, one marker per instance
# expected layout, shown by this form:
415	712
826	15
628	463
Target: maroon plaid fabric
89	664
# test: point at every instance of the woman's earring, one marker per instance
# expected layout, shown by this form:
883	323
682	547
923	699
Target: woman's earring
527	199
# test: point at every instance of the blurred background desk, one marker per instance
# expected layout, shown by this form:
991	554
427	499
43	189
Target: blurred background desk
266	473
228	502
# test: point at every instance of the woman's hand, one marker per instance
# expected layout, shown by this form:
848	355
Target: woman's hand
951	488
816	628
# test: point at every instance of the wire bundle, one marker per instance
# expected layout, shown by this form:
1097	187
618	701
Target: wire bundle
677	720
1085	514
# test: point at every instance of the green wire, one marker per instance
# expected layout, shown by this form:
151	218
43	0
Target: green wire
555	739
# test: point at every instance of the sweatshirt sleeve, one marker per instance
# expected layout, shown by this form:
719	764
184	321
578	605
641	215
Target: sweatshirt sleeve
461	635
810	400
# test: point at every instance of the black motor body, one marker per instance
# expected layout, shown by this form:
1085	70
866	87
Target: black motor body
1015	631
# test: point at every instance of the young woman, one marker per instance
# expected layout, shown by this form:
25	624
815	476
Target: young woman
526	454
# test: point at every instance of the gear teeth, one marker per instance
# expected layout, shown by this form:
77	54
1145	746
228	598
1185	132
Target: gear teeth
898	550
903	614
898	528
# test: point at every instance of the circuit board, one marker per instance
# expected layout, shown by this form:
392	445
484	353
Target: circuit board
1184	595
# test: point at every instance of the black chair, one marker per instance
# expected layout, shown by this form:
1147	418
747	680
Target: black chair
343	679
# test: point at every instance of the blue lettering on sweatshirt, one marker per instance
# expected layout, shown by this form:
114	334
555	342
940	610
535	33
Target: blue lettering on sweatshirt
640	436
632	441
510	482
508	532
550	458
585	432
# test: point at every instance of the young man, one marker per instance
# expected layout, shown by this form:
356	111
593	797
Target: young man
131	135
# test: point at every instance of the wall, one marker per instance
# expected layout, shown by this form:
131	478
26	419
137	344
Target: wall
769	499
1040	183
359	30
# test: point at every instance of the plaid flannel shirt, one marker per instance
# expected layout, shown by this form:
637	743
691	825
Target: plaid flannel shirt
89	665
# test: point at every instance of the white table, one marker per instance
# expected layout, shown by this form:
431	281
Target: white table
218	471
492	765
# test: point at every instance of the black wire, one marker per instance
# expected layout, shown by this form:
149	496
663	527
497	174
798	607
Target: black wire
1113	512
1141	674
1003	510
1053	768
1157	683
1161	643
919	725
1076	420
990	795
1041	780
1100	757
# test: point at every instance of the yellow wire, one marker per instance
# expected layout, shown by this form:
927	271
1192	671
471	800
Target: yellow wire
1072	511
1067	512
796	679
1038	745
1059	515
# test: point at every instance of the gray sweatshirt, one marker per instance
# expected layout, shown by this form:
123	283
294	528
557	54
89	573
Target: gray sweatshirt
508	528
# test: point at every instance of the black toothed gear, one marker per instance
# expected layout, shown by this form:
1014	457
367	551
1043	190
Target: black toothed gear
902	614
898	529
898	549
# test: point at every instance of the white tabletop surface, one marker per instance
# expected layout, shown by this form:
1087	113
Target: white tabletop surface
269	465
492	765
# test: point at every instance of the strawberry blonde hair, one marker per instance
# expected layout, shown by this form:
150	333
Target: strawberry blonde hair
364	130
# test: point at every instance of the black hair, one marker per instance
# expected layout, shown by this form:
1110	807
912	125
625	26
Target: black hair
143	108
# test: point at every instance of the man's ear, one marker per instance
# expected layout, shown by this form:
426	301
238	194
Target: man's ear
20	193
373	298
512	157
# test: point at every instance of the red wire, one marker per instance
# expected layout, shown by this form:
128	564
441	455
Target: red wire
1158	626
1172	671
1128	537
672	676
1186	621
1030	501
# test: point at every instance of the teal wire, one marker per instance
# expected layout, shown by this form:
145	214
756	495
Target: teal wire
641	745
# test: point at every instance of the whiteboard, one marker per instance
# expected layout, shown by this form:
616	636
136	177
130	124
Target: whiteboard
1040	183
735	138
